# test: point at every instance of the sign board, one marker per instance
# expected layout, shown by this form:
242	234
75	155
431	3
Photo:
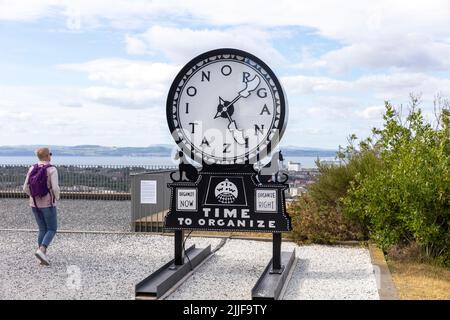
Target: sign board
266	200
228	202
186	199
148	191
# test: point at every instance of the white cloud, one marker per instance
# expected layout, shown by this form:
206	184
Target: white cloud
12	115
134	45
373	112
382	86
38	117
353	19
23	98
126	98
181	44
400	85
408	35
26	10
410	52
129	84
311	84
127	73
330	108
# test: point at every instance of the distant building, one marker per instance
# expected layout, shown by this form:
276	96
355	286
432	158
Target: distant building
296	191
294	166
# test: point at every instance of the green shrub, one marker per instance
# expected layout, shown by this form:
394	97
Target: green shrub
392	187
317	223
408	199
318	216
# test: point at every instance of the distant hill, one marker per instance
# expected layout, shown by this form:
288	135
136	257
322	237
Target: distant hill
153	150
292	151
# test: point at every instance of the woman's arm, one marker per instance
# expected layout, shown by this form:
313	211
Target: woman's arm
55	183
26	187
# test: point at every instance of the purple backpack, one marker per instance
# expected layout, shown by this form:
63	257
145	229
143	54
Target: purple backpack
37	181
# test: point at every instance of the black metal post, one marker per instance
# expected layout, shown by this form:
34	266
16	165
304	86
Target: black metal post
276	254
179	252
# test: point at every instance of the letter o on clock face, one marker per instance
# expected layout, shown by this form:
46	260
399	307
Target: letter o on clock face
226	107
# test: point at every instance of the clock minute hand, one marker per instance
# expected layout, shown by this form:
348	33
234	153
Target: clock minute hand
250	86
238	134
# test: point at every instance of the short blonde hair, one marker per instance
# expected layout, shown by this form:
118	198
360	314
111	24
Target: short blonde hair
42	153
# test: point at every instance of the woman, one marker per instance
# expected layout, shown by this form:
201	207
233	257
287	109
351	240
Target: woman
41	184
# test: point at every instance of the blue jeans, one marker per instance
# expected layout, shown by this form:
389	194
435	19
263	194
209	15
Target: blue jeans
47	223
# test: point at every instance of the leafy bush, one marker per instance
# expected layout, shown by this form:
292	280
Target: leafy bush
317	216
392	187
317	223
408	199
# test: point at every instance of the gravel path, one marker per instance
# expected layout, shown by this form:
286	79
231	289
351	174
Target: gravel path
107	266
72	215
84	266
332	272
321	272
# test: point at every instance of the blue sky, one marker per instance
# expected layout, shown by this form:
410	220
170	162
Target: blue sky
98	72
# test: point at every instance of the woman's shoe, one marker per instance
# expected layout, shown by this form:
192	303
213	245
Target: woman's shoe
42	257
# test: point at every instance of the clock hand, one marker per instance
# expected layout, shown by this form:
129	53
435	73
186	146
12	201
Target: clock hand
238	134
250	86
226	109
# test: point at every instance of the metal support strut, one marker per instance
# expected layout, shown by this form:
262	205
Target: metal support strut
166	277
273	279
276	254
179	251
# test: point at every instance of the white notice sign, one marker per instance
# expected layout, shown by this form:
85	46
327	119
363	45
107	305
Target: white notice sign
266	200
186	199
148	191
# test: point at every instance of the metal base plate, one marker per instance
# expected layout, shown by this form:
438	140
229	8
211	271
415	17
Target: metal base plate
160	281
270	284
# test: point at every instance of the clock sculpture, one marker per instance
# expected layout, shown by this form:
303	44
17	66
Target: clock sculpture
226	111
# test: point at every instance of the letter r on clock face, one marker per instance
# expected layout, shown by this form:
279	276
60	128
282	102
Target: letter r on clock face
226	106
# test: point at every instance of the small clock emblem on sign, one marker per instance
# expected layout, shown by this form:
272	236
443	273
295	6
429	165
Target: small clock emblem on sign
226	192
226	107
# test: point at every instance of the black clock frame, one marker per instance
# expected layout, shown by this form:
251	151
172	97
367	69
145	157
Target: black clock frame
283	114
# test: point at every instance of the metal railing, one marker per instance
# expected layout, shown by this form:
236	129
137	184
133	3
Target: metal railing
98	182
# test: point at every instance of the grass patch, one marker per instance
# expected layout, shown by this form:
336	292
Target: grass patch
420	280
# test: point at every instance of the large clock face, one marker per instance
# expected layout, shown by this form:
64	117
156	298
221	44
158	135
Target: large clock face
226	107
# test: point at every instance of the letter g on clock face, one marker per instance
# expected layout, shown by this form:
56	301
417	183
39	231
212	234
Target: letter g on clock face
226	107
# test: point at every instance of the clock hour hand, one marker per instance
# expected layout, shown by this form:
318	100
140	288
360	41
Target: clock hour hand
226	110
238	134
